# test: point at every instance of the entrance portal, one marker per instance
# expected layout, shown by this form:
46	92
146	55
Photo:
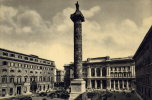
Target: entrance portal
104	84
19	90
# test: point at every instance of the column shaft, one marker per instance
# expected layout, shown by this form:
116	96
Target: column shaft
118	85
95	72
95	84
114	84
77	50
101	72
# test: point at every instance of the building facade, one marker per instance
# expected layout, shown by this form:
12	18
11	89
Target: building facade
105	73
143	63
59	79
59	75
19	71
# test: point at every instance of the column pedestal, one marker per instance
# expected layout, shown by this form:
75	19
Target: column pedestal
77	88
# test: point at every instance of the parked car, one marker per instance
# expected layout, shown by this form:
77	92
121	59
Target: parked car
42	94
128	95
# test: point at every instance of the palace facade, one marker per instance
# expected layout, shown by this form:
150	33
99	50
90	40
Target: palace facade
143	62
105	73
19	71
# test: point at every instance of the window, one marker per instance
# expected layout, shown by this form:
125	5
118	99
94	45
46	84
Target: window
5	63
31	59
98	71
4	70
12	71
11	79
44	61
104	71
11	91
12	55
115	69
92	72
36	60
5	54
20	56
19	71
31	71
25	79
44	87
4	79
26	58
111	68
3	92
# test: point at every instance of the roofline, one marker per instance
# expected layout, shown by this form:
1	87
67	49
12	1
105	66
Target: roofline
143	42
129	58
24	54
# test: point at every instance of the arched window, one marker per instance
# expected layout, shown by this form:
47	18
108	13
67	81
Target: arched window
92	72
12	70
31	71
104	71
4	70
19	71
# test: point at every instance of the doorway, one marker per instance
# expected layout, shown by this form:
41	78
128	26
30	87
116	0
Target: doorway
104	84
19	90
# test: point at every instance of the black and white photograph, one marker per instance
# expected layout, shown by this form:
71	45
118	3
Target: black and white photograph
75	49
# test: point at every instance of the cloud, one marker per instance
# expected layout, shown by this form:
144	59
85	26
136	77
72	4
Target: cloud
28	32
91	12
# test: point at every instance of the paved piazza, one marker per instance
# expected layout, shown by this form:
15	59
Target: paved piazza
41	98
121	96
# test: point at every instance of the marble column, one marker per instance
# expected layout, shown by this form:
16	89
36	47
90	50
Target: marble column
127	85
95	71
89	71
95	84
114	84
118	85
123	84
110	84
89	83
101	72
107	71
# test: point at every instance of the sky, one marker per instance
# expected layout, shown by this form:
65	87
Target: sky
112	28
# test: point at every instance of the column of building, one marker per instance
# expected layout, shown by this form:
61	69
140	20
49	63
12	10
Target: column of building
118	84
101	78
89	77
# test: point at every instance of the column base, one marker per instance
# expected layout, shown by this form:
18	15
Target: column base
77	88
